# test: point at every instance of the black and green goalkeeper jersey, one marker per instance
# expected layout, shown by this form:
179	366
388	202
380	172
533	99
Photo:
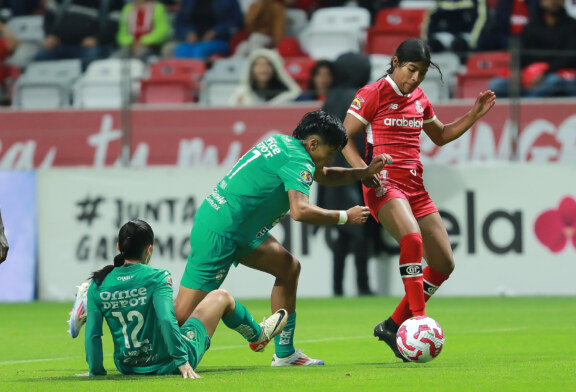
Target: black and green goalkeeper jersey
136	301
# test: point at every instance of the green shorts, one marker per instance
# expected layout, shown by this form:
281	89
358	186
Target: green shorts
197	340
211	256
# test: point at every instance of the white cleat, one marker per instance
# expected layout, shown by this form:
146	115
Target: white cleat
270	327
78	313
298	358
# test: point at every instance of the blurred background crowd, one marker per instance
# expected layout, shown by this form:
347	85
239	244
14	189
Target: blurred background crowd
62	53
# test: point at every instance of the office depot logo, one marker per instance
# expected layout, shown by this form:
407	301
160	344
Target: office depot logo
556	228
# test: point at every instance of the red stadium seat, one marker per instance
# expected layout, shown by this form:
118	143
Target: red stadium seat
300	68
172	81
392	26
290	47
480	68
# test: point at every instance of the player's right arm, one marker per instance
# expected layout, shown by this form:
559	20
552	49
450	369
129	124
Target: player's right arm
93	336
302	210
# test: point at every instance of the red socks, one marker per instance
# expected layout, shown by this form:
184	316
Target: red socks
432	280
411	250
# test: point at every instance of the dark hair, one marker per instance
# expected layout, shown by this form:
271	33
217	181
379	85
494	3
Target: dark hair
321	64
133	238
413	50
275	85
323	124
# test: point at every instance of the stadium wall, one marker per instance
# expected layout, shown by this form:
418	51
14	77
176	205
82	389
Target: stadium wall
499	218
197	145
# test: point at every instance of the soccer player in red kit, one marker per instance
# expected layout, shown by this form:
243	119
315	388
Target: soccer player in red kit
392	112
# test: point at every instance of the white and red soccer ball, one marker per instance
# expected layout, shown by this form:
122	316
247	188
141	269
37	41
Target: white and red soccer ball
420	339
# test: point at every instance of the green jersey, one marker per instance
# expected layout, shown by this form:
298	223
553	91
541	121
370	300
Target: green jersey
253	196
136	301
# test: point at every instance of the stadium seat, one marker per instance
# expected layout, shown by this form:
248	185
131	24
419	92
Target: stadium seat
30	33
300	68
290	47
480	69
46	84
109	83
172	81
392	26
379	64
335	30
221	81
437	87
296	21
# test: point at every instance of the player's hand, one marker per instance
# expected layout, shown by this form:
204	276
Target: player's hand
357	215
378	163
187	371
485	101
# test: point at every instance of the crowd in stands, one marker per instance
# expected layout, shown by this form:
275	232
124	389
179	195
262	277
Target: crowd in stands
268	47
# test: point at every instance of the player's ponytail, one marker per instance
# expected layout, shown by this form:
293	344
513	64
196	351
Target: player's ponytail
134	237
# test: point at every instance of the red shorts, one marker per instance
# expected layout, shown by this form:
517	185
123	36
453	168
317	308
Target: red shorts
404	183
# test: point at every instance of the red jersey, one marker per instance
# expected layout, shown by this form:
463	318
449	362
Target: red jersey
393	121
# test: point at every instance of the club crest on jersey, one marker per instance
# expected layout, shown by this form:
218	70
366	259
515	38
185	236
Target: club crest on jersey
357	102
418	106
306	177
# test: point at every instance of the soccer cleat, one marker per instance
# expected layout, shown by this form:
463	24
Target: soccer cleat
270	327
389	337
78	313
298	358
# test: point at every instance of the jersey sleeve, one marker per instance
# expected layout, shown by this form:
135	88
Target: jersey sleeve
365	104
163	305
93	336
429	114
297	173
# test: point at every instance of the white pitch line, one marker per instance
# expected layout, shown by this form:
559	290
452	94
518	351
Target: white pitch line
238	346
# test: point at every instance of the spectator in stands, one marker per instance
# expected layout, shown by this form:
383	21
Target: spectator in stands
266	81
455	26
205	27
548	57
8	43
144	27
79	29
352	71
265	22
24	7
505	20
321	79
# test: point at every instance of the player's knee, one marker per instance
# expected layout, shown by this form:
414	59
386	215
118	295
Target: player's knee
412	246
222	296
290	269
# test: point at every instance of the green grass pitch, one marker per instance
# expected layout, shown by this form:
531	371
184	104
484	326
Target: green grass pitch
492	344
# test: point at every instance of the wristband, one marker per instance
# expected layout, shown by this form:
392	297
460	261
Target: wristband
343	217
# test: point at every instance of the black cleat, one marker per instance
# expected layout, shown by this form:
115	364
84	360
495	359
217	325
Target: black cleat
389	337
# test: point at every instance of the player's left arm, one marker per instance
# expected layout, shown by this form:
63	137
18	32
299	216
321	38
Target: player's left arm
442	134
342	175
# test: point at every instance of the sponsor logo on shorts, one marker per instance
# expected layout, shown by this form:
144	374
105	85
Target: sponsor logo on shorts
413	171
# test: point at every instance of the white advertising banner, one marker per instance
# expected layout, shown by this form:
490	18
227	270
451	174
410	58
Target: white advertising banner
513	229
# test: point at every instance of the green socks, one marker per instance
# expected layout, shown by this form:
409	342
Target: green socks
285	341
242	322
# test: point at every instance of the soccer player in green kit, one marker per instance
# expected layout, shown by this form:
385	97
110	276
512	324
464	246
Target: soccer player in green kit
232	225
136	301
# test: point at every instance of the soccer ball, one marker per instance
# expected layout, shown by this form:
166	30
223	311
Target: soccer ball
420	339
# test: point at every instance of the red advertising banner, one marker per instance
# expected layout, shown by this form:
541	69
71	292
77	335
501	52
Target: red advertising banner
189	136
